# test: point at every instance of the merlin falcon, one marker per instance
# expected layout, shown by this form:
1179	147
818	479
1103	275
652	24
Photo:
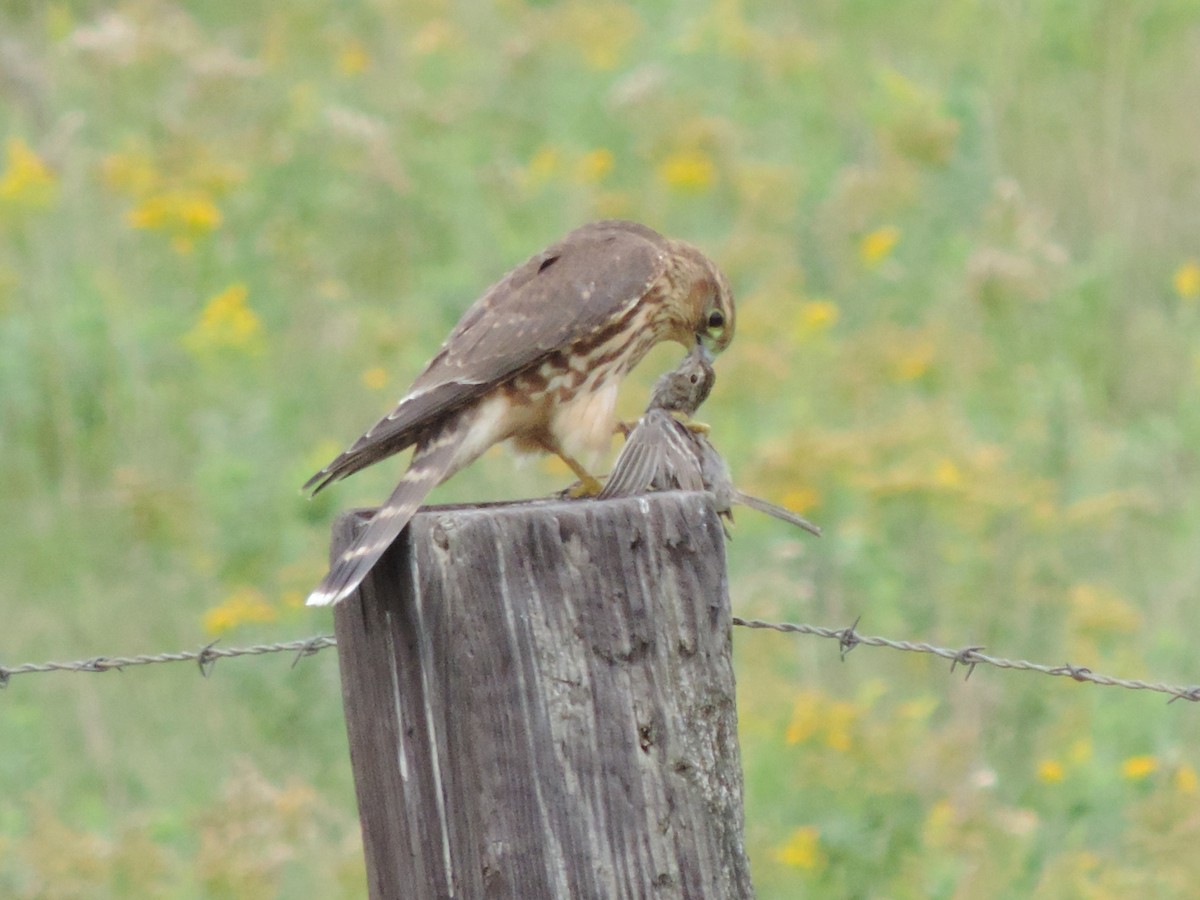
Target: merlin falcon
536	361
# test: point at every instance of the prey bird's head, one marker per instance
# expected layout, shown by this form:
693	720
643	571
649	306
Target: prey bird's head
687	386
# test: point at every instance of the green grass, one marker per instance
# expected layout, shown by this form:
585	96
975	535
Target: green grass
964	240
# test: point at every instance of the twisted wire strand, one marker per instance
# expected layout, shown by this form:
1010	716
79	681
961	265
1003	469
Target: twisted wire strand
848	638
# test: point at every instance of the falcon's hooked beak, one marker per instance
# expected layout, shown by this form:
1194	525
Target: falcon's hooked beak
704	351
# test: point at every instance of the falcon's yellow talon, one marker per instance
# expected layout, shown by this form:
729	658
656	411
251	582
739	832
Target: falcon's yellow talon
588	485
698	427
585	487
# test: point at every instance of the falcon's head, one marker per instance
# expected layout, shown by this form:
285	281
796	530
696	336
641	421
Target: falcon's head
715	328
707	300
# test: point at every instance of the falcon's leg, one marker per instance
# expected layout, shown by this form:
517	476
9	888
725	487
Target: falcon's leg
589	485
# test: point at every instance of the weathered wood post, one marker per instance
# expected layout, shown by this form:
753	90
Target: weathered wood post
540	703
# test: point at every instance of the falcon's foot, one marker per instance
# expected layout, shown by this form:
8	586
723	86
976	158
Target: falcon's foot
588	486
585	487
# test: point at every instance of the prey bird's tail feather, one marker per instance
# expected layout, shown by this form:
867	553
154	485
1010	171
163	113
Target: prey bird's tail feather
432	463
779	512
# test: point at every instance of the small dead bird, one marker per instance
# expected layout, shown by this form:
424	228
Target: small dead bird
664	452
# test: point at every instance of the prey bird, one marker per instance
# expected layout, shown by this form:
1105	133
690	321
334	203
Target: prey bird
665	452
536	361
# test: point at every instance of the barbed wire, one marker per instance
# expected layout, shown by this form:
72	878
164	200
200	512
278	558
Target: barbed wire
206	657
848	638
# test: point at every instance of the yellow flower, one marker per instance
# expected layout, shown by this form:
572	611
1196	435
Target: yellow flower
1187	280
375	378
840	719
1135	768
815	316
226	323
691	171
941	823
1050	771
807	717
913	361
184	214
244	604
594	165
26	180
542	166
1186	780
947	474
802	499
352	59
876	246
802	849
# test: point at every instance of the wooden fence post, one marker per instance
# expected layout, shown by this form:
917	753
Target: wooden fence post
540	703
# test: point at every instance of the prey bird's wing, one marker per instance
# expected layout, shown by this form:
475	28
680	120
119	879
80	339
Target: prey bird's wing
658	455
640	460
579	287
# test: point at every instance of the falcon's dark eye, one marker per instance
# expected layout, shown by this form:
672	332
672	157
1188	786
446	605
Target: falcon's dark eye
716	319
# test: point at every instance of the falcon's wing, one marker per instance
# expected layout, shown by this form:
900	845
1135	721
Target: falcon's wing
571	289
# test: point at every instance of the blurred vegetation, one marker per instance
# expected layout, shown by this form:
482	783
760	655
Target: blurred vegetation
965	238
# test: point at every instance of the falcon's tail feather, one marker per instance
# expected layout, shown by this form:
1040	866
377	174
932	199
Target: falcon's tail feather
431	465
779	512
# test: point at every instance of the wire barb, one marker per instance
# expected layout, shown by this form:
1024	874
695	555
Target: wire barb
207	658
849	639
966	657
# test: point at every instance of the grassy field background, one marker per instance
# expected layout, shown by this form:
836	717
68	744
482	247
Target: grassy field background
965	240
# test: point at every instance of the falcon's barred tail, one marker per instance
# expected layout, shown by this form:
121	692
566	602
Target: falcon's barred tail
433	463
766	506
